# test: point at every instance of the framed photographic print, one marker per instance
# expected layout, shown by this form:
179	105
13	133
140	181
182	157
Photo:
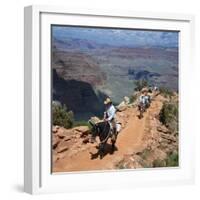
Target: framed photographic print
105	99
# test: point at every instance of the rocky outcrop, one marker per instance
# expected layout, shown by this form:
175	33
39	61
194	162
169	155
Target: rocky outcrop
159	143
124	104
67	142
78	96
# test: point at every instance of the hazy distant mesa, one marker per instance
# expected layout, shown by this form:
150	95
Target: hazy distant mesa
118	37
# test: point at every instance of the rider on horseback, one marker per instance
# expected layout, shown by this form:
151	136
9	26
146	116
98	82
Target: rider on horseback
142	100
109	114
147	99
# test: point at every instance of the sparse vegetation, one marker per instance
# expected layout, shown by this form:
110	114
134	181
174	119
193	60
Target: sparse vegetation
159	163
144	154
166	92
169	115
120	165
171	161
133	98
61	116
141	84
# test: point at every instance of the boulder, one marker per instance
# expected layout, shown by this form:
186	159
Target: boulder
168	137
67	138
163	129
121	107
86	140
62	149
126	100
83	130
54	130
124	104
63	146
60	134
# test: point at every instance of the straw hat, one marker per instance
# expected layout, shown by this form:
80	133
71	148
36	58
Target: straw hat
107	101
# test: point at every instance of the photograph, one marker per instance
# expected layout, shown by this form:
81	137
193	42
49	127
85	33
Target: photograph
114	98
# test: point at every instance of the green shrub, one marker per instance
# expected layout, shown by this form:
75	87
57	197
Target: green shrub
159	163
166	92
172	160
141	84
169	115
144	154
61	116
133	98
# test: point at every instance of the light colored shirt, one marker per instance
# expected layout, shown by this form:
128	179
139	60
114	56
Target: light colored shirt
146	98
142	99
110	112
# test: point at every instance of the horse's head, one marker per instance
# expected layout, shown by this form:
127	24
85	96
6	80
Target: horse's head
94	129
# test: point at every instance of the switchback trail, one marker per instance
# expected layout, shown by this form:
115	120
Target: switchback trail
129	141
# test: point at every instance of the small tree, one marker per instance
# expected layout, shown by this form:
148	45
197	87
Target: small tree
169	115
166	92
61	116
141	84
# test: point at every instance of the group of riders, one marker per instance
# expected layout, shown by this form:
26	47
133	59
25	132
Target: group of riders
144	102
109	119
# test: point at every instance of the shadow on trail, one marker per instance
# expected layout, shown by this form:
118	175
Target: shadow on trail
108	149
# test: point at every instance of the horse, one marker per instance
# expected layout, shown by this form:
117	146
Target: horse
104	131
141	109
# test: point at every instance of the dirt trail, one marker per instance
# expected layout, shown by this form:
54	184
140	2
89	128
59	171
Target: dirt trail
129	140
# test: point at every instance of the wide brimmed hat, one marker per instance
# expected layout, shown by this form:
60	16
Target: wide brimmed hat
107	101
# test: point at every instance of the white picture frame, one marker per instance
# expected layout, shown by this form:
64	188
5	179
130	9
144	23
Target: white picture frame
37	132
